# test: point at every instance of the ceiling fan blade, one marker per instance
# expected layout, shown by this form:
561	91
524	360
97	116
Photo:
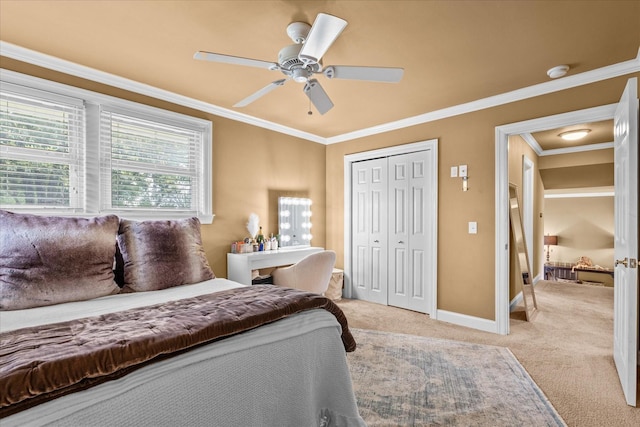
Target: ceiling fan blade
324	31
236	60
374	74
265	90
318	96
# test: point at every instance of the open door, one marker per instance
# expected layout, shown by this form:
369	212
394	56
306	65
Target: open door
625	302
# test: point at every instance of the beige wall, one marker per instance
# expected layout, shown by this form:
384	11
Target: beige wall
584	226
251	163
466	263
251	167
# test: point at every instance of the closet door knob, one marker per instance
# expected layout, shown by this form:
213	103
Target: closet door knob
376	241
401	242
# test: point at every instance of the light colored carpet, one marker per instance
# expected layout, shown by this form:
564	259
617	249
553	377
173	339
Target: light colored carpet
567	349
410	380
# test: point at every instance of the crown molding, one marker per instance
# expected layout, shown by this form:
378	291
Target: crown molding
29	56
608	191
577	149
56	64
533	143
588	77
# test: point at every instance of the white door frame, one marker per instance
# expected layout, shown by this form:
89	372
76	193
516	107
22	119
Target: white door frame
604	112
431	144
527	207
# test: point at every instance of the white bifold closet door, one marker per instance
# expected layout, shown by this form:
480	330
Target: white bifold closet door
389	226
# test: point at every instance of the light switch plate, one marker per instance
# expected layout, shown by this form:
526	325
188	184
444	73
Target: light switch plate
473	227
463	171
454	171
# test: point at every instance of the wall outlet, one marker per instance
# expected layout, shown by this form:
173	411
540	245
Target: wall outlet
463	171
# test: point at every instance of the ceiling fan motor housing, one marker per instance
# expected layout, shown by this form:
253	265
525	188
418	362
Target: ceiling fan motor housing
288	58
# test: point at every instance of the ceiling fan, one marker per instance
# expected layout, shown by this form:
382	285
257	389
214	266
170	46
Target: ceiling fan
301	61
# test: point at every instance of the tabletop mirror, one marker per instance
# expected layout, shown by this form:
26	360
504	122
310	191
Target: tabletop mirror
294	214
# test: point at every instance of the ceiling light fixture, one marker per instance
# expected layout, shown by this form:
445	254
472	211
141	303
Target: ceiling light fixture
574	135
558	71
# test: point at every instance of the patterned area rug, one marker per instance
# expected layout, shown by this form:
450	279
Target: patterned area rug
406	380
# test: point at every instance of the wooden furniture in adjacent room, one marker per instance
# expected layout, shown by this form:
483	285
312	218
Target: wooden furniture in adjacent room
559	271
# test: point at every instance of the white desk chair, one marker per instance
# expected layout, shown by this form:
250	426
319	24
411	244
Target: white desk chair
312	273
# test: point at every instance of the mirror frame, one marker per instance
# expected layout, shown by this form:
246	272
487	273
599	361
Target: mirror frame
525	279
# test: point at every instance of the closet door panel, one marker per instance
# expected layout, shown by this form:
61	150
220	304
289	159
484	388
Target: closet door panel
391	262
417	275
360	227
417	237
369	216
399	277
378	229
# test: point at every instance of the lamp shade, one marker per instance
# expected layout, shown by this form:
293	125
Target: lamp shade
551	240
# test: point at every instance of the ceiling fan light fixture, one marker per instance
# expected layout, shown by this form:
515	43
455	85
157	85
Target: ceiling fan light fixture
300	75
558	71
574	135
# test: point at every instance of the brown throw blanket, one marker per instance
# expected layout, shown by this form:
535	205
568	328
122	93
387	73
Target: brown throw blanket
44	362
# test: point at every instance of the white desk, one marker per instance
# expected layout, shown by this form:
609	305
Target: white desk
239	266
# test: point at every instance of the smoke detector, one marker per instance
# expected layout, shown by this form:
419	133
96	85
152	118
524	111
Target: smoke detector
558	71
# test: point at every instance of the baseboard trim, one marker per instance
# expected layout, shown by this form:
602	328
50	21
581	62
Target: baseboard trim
467	321
515	301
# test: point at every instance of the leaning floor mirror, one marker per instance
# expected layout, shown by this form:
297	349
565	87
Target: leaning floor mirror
519	249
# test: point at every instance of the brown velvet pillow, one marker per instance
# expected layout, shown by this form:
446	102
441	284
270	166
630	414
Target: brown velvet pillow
162	254
47	260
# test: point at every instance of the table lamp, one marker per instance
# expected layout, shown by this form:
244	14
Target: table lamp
550	241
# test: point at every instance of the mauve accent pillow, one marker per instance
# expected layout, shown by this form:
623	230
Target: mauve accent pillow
47	260
162	254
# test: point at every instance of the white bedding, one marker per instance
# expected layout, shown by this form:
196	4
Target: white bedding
16	319
292	372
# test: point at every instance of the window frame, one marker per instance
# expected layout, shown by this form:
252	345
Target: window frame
93	182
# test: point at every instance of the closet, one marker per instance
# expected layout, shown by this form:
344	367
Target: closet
392	232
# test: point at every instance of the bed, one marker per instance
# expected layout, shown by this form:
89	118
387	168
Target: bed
272	357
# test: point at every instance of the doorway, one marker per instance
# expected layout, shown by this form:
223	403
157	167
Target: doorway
428	240
625	116
502	181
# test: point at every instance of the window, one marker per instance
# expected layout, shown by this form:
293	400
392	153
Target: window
70	151
41	149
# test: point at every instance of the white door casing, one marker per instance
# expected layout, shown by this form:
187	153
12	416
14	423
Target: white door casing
625	321
527	206
595	114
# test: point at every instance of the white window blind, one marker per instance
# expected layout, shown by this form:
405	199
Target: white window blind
149	164
41	150
77	152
